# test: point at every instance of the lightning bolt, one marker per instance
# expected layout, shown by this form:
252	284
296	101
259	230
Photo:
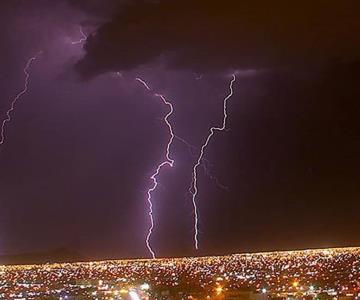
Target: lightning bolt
167	162
205	163
194	187
83	38
17	97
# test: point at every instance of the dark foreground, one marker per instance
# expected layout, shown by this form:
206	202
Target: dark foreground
307	274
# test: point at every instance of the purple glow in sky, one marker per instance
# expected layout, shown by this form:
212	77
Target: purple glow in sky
83	145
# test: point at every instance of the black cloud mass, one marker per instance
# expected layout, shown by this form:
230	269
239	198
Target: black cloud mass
224	35
103	8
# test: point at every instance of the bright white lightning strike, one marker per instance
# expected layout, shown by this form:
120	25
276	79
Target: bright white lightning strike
83	38
17	97
194	188
168	161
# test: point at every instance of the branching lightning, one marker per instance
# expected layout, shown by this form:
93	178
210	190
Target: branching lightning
193	187
167	162
82	39
17	97
205	163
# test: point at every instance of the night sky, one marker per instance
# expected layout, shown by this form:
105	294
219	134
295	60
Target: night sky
84	140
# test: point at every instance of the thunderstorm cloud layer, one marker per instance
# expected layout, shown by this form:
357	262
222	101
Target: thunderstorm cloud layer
213	35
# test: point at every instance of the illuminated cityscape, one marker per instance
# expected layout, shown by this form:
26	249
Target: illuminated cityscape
332	273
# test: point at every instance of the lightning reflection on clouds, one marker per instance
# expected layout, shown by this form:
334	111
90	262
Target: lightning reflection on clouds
82	39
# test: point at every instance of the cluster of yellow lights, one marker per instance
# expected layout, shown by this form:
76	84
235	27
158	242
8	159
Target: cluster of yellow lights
338	269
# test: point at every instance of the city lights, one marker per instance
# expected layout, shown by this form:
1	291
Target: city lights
285	274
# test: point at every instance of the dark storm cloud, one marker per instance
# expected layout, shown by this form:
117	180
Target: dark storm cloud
103	8
209	35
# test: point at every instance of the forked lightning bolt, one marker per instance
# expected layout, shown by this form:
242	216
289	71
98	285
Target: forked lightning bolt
206	165
17	97
194	187
167	162
82	39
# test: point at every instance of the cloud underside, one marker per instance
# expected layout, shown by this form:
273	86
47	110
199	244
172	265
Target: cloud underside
217	35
